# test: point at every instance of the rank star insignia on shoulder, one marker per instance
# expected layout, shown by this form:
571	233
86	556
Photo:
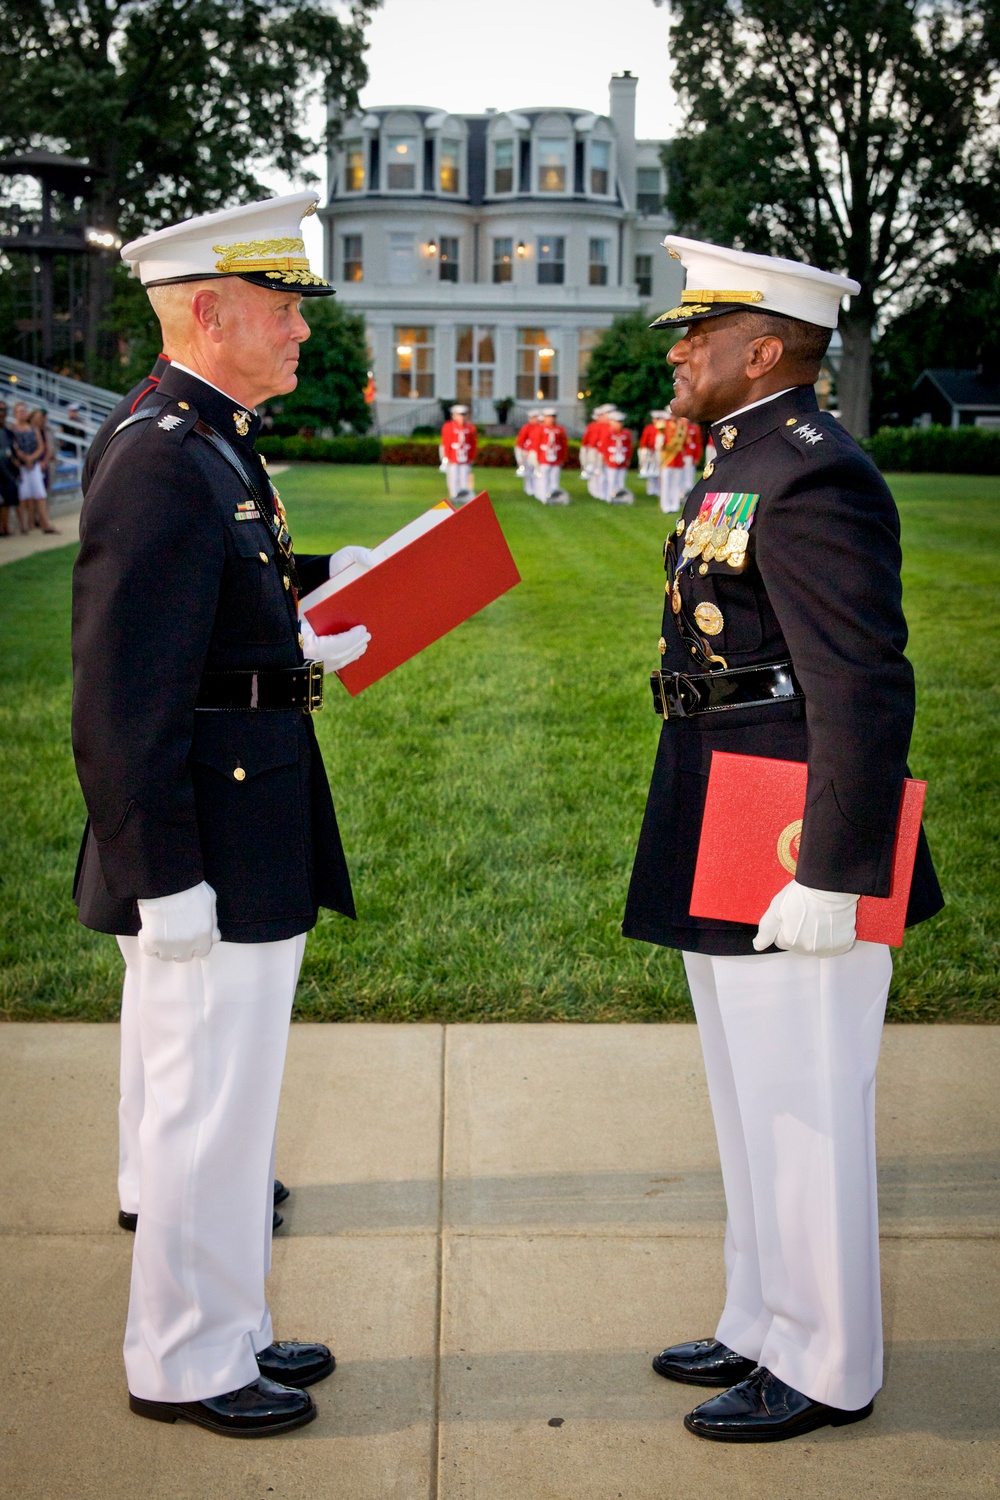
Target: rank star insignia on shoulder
169	422
808	434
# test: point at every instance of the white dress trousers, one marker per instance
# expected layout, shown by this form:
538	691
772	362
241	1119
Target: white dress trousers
791	1045
547	478
210	1036
674	485
459	479
614	482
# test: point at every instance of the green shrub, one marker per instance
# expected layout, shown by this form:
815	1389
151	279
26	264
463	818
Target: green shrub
936	450
338	450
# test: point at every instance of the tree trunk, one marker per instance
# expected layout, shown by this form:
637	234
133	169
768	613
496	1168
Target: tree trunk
854	378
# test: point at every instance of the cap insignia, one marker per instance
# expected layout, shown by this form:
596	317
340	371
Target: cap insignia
675	314
728	436
261	255
242	421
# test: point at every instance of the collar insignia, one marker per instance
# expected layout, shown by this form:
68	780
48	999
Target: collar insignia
728	436
808	434
242	420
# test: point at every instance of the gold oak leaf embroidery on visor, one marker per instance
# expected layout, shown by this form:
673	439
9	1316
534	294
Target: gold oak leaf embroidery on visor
262	255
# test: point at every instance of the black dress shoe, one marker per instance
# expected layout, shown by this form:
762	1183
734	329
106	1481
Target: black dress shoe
260	1409
280	1192
129	1221
296	1364
703	1362
763	1409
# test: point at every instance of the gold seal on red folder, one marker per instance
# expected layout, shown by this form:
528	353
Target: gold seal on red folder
788	846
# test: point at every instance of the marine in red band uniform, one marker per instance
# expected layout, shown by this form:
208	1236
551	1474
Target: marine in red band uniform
459	445
783	636
681	450
650	446
551	450
524	451
615	447
591	458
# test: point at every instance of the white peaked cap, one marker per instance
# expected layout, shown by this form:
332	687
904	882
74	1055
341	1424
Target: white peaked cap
260	242
722	281
459	411
658	415
615	416
549	411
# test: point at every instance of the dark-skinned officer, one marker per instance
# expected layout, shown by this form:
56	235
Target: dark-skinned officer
783	636
212	839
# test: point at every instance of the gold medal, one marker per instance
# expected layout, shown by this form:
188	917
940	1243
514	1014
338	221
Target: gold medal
680	526
739	539
675	599
736	559
709	618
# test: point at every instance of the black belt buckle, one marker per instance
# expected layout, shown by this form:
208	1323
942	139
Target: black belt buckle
314	687
668	697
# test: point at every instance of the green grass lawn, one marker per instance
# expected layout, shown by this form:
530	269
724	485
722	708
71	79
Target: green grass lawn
490	792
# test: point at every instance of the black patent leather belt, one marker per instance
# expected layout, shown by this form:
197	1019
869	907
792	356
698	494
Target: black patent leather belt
681	695
275	687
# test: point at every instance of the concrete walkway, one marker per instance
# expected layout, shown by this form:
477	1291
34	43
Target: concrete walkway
496	1227
65	518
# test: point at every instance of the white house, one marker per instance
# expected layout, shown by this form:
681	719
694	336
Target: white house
489	252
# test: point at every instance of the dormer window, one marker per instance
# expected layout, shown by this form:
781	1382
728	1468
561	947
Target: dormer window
553	161
354	166
503	167
402	163
649	197
600	167
448	170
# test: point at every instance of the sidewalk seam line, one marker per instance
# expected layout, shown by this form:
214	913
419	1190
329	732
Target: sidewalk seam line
435	1475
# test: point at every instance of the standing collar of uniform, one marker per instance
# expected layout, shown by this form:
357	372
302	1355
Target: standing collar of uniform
216	408
762	417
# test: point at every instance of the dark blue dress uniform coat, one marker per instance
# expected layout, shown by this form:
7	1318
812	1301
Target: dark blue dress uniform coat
169	584
126	407
821	586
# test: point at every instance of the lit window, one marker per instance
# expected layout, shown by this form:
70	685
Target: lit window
551	260
537	366
503	260
598	263
552	159
413	363
448	166
353	260
503	167
644	275
600	166
448	260
475	360
402	157
354	167
649	198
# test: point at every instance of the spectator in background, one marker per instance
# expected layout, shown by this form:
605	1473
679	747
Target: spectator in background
31	448
8	474
41	417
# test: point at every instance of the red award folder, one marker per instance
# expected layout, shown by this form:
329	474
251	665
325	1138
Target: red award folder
445	566
744	861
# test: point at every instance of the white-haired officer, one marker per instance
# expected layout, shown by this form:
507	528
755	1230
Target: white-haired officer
211	839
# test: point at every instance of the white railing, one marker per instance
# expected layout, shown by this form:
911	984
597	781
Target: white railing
57	394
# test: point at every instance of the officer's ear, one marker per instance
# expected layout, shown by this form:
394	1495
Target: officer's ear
763	355
206	309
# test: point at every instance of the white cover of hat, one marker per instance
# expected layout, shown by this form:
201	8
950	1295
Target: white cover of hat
189	248
787	286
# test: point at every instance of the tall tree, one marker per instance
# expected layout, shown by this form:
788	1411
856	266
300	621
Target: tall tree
179	104
629	367
860	135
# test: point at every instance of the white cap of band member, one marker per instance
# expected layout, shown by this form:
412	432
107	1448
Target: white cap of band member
260	242
602	411
660	416
459	411
549	411
615	416
722	281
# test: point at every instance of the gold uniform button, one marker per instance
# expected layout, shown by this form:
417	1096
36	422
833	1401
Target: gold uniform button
791	421
679	528
183	406
703	569
661	646
239	774
263	557
287	581
709	471
301	641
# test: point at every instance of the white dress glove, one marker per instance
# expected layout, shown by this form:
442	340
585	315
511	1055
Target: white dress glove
181	926
802	920
363	556
334	651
